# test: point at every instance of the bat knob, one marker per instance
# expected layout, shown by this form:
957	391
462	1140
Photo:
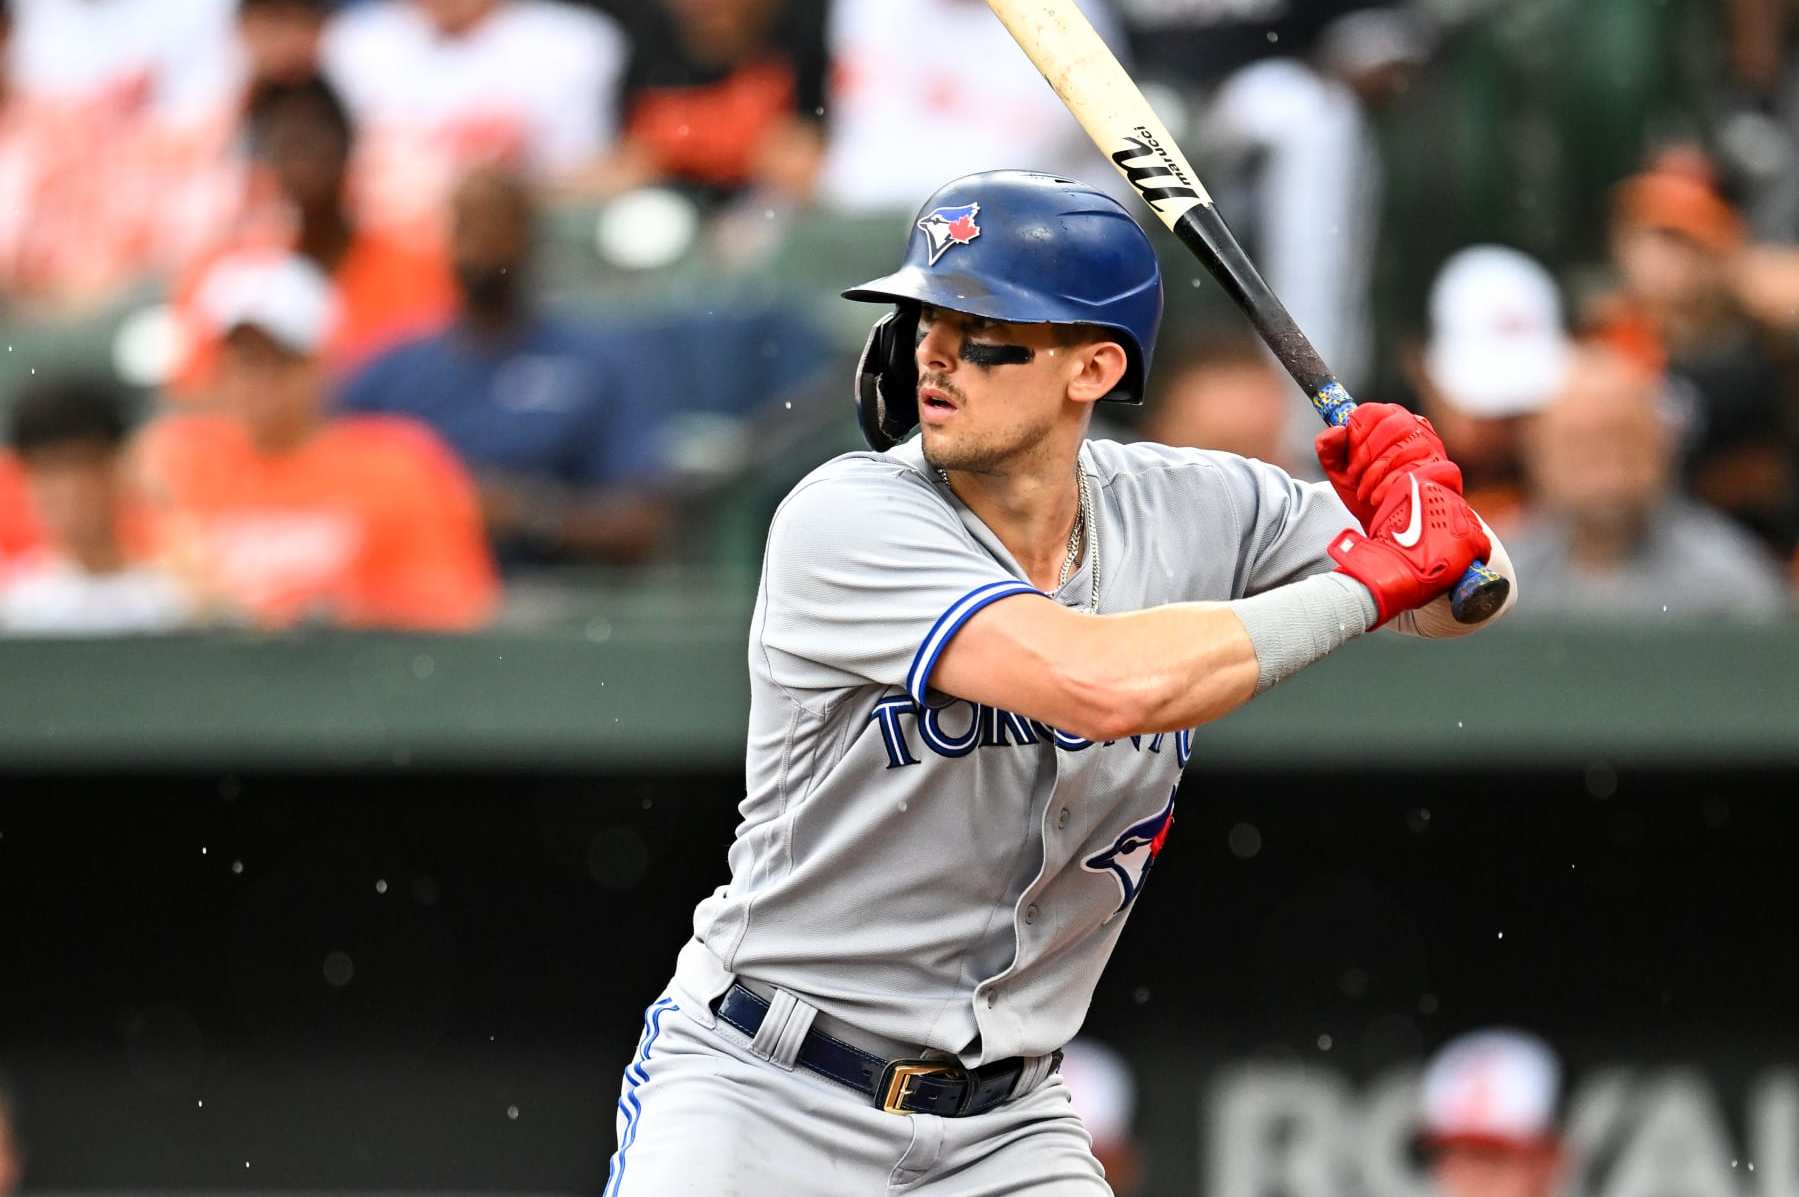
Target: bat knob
1479	595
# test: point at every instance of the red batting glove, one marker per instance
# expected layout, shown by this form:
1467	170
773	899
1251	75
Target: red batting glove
1380	443
1420	543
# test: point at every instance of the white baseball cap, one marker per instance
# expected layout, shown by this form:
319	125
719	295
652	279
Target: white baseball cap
284	295
1497	347
1372	38
1496	1087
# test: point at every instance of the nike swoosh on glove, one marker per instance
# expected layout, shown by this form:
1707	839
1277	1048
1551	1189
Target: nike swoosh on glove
1380	444
1419	544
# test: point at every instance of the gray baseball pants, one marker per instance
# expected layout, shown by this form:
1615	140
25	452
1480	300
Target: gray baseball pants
704	1110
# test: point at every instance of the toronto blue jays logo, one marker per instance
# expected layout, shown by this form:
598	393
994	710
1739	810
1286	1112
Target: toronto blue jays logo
1134	853
947	227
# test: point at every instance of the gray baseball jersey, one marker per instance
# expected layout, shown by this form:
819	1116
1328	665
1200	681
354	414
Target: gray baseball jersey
929	869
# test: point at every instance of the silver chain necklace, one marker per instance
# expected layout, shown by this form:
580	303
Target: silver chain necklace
1086	529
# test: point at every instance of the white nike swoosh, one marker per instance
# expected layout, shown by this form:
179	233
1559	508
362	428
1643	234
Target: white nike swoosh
1414	529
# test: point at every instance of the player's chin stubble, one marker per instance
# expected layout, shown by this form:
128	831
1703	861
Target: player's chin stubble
976	451
986	453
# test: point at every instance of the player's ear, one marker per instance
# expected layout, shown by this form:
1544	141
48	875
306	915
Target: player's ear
1102	365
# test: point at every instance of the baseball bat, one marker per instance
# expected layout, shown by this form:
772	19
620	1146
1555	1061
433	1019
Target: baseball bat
1062	43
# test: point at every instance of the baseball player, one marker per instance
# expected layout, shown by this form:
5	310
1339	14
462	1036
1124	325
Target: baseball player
975	662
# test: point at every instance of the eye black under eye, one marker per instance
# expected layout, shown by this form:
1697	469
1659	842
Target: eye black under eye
980	353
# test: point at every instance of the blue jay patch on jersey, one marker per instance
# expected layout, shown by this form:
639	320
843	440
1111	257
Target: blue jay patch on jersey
1134	853
947	227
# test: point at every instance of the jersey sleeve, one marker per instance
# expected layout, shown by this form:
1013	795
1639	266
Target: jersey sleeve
1285	525
868	576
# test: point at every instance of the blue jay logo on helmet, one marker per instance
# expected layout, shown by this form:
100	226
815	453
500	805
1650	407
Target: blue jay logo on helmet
946	228
1134	853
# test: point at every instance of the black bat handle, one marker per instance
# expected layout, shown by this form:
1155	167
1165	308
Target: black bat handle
1480	592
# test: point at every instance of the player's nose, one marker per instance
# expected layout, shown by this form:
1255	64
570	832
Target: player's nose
938	344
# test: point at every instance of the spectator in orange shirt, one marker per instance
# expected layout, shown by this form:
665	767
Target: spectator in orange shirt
362	522
387	288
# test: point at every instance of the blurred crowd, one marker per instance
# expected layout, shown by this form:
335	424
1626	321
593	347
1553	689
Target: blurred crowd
347	383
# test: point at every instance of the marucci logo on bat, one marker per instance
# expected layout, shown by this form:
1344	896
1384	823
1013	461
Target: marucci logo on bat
1145	145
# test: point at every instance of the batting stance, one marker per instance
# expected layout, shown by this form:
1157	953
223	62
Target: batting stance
975	661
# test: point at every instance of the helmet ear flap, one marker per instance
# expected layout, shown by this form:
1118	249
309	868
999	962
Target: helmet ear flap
887	379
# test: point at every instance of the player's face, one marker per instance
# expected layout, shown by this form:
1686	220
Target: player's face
989	392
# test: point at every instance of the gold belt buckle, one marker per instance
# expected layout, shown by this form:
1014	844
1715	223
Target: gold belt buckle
899	1081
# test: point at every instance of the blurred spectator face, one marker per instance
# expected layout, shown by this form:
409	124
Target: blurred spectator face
1494	1171
274	314
490	240
720	30
75	493
1489	1116
276	392
456	16
281	38
67	436
1477	443
307	145
1237	402
1376	51
1673	234
1600	454
1664	268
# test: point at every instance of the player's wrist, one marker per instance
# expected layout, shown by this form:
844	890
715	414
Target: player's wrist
1390	580
1294	625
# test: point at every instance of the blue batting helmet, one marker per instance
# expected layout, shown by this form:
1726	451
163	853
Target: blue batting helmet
1016	246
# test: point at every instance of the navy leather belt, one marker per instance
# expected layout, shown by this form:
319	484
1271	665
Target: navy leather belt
940	1087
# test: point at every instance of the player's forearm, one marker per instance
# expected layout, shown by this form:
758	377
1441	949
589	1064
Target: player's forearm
1160	670
1102	676
1215	657
1163	669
